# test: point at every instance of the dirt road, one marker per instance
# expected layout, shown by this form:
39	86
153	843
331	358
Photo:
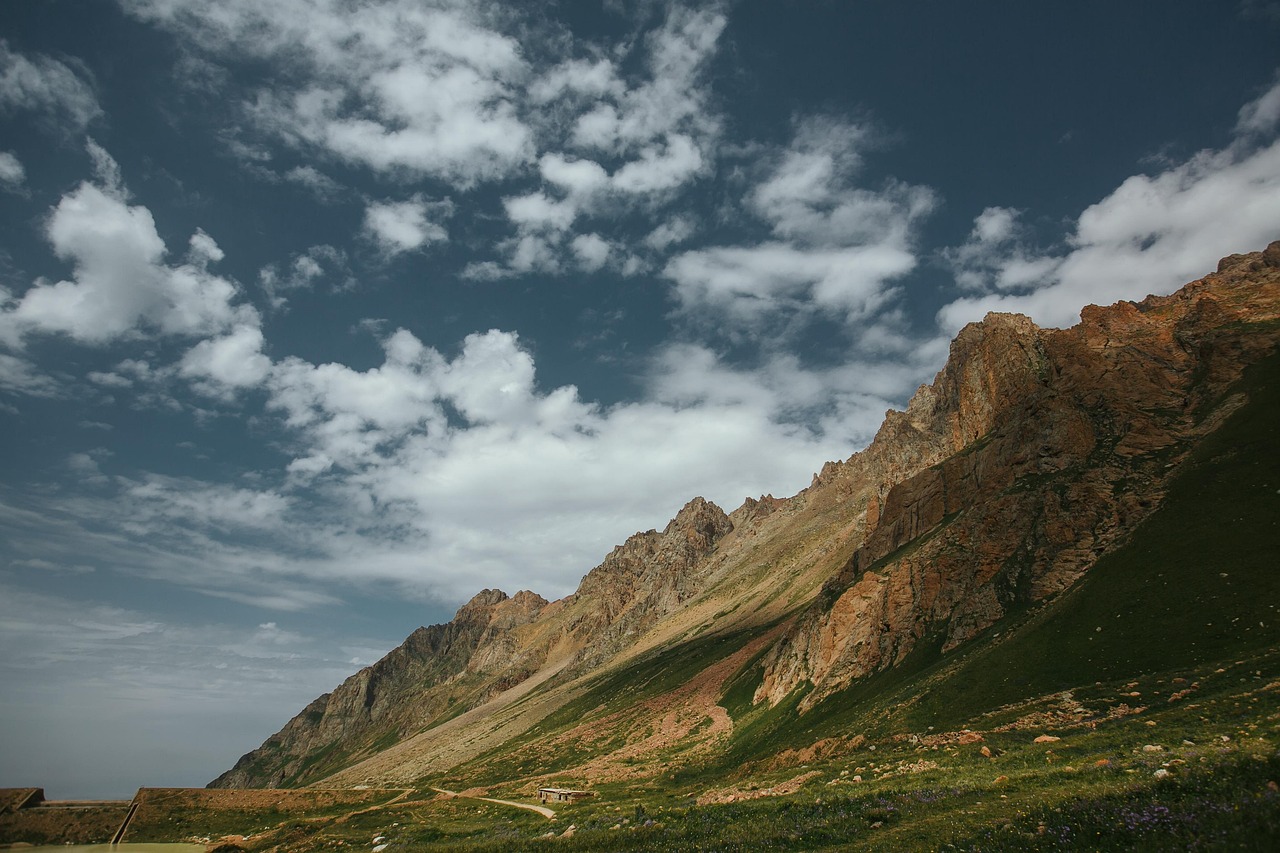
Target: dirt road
542	810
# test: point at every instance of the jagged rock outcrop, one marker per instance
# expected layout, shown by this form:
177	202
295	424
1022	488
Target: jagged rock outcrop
645	578
398	695
481	652
1060	443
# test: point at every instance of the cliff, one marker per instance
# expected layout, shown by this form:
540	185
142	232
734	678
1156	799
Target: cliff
1062	443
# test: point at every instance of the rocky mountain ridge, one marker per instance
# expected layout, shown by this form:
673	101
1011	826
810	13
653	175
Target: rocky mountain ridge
1033	452
1064	450
489	646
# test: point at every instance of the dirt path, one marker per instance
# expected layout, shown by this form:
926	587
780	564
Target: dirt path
542	810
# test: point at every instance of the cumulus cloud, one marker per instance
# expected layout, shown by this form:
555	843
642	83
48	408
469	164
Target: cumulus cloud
404	226
402	472
233	360
47	87
592	251
86	466
660	167
446	91
121	283
537	212
1151	234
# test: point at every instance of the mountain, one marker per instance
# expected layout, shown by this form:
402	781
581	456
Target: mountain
1055	507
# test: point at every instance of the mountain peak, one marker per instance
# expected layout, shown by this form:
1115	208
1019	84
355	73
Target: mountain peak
480	604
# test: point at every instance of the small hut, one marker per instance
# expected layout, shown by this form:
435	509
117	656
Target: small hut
562	795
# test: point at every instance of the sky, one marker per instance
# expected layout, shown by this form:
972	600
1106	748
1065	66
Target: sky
319	316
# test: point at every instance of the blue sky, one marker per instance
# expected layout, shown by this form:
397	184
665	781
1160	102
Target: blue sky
317	317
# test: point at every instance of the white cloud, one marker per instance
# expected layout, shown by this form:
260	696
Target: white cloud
484	271
579	77
106	170
46	566
1261	114
203	250
811	193
671	100
636	139
303	272
580	178
428	89
206	505
998	254
748	285
660	168
995	225
109	380
676	230
597	128
22	376
313	179
403	226
121	284
85	468
1151	234
592	251
836	247
234	360
11	170
402	472
46	86
537	212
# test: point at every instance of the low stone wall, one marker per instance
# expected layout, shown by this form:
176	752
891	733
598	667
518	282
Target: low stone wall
12	799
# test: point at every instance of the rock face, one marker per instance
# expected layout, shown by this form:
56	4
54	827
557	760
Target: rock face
1033	452
645	578
484	651
395	696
